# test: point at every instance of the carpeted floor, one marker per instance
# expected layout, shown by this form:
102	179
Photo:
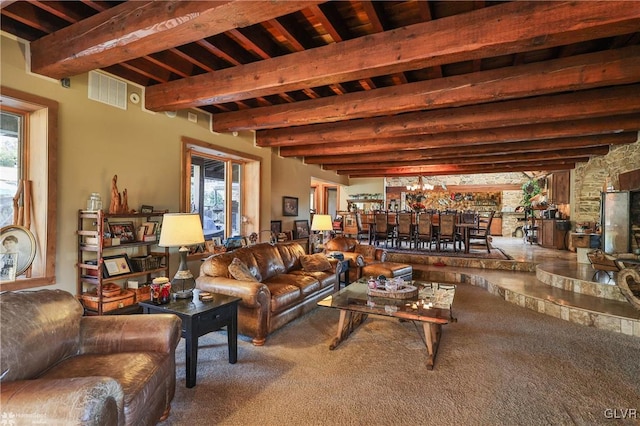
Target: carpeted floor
498	365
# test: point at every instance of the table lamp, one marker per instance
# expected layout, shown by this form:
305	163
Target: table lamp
322	223
181	230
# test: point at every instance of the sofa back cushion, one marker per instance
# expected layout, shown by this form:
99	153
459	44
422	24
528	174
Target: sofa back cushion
38	329
315	262
263	261
341	243
291	252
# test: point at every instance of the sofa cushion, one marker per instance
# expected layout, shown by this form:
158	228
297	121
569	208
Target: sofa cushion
368	252
240	271
139	373
290	252
341	243
388	269
284	292
315	262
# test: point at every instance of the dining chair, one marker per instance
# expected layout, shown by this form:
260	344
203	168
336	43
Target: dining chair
362	233
424	231
482	233
382	230
405	231
447	233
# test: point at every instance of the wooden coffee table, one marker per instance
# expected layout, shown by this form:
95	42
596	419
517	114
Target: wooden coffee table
431	307
199	318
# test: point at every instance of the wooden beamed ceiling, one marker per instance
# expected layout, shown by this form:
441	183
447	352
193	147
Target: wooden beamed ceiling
369	88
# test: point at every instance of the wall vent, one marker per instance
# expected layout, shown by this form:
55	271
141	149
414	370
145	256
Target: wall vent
108	90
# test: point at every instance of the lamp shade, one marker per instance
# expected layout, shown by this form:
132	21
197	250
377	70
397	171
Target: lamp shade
181	229
322	222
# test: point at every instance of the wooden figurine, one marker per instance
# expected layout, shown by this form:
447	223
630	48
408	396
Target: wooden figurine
119	202
114	206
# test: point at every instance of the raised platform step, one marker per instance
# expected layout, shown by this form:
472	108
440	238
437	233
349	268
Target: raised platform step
526	290
579	278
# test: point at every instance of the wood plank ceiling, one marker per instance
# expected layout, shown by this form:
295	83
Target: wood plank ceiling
369	88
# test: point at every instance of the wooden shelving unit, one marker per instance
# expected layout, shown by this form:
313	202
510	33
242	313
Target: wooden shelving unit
92	226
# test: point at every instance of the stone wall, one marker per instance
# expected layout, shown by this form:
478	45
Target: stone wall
591	178
480	179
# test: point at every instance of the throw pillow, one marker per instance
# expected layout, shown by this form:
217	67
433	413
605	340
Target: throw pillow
368	252
240	271
315	262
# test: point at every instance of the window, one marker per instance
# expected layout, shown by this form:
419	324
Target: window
222	186
210	185
28	153
11	143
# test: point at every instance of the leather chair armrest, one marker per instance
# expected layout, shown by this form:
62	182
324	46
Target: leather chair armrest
253	293
381	255
130	333
81	400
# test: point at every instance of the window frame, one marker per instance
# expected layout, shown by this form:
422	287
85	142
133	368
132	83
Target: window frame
250	178
41	142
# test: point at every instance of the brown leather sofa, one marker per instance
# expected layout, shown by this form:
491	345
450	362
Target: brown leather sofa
367	260
281	291
61	368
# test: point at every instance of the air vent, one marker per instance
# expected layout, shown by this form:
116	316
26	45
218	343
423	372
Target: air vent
107	90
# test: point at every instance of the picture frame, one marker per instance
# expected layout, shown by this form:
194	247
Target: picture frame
289	206
301	228
20	241
8	262
123	230
276	226
209	246
217	241
146	209
150	227
116	265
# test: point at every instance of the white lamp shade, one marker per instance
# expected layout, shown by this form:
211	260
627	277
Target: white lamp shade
322	222
181	229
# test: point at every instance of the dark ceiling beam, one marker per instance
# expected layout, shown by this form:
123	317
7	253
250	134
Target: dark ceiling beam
523	26
560	129
473	159
610	67
138	28
451	169
584	104
460	150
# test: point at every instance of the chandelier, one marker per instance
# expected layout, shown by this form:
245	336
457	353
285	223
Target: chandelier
420	186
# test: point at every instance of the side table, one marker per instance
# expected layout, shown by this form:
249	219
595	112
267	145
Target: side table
199	318
343	276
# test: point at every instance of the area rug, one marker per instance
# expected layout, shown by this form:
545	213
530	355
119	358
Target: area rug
499	364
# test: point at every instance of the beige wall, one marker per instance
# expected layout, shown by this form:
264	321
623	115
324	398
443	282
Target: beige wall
290	177
97	141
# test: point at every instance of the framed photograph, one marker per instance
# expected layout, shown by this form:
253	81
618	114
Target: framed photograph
301	228
217	241
8	262
116	265
21	244
146	209
150	227
123	230
276	226
289	206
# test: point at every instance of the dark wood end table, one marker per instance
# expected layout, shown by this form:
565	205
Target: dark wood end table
343	277
200	318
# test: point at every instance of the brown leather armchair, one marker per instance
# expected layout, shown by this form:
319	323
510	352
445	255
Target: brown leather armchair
59	367
367	260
